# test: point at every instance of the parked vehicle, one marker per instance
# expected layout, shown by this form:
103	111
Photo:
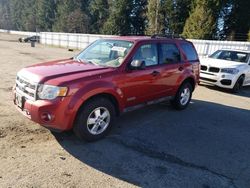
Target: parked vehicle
34	38
227	69
111	76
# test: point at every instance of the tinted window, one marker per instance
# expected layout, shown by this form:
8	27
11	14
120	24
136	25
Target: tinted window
170	54
148	54
189	51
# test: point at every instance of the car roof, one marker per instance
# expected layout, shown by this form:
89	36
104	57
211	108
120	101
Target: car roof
143	38
235	50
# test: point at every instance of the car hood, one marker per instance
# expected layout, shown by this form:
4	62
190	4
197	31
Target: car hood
220	63
54	69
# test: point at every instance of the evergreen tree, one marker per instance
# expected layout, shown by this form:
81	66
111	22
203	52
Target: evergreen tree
46	10
167	16
138	17
119	20
212	19
155	25
202	21
70	17
175	13
236	19
5	16
17	8
99	11
29	19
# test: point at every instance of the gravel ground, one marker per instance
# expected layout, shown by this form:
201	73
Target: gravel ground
205	146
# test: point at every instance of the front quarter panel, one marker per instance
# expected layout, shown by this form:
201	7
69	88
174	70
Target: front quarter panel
91	89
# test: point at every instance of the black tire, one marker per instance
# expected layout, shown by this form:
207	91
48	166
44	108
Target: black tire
238	85
81	127
176	102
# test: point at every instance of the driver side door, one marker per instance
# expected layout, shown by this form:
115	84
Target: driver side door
141	85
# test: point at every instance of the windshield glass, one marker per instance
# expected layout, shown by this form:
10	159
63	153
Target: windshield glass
107	52
231	56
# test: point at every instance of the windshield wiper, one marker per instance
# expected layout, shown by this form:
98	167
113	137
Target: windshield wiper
90	62
81	60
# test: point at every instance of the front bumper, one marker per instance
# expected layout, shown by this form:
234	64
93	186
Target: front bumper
52	114
223	80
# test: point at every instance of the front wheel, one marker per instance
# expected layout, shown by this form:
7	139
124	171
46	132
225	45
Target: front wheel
238	85
94	119
183	96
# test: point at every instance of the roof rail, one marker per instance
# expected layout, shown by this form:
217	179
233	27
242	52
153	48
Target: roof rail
169	35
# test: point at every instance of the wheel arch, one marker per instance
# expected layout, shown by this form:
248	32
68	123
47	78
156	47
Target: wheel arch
191	80
106	95
243	74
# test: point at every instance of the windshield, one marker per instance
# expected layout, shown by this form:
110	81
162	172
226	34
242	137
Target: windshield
231	56
107	52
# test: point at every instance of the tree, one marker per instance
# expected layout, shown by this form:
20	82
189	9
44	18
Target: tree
212	19
154	19
46	10
77	22
5	16
70	17
138	17
175	13
99	11
202	21
119	20
167	16
29	19
236	20
17	13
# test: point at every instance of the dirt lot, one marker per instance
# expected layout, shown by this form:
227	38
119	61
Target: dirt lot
205	146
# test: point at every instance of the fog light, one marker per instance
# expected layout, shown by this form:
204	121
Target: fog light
47	117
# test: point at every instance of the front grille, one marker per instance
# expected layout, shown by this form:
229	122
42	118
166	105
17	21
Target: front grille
214	69
203	67
26	88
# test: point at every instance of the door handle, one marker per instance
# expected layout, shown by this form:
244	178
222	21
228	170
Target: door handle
155	73
180	68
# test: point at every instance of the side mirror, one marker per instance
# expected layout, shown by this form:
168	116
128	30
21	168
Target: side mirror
137	65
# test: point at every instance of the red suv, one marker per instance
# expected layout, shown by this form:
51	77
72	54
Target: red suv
85	93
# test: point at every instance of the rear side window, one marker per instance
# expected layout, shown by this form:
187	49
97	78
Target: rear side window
170	54
189	51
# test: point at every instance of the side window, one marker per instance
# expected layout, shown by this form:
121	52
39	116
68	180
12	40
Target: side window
148	54
189	51
170	54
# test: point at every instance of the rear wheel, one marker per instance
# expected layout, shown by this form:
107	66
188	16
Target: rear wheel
183	96
238	85
94	119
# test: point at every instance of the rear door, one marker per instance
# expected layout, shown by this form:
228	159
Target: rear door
172	67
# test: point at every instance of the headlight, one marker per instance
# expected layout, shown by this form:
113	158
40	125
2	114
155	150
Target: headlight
51	92
230	70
